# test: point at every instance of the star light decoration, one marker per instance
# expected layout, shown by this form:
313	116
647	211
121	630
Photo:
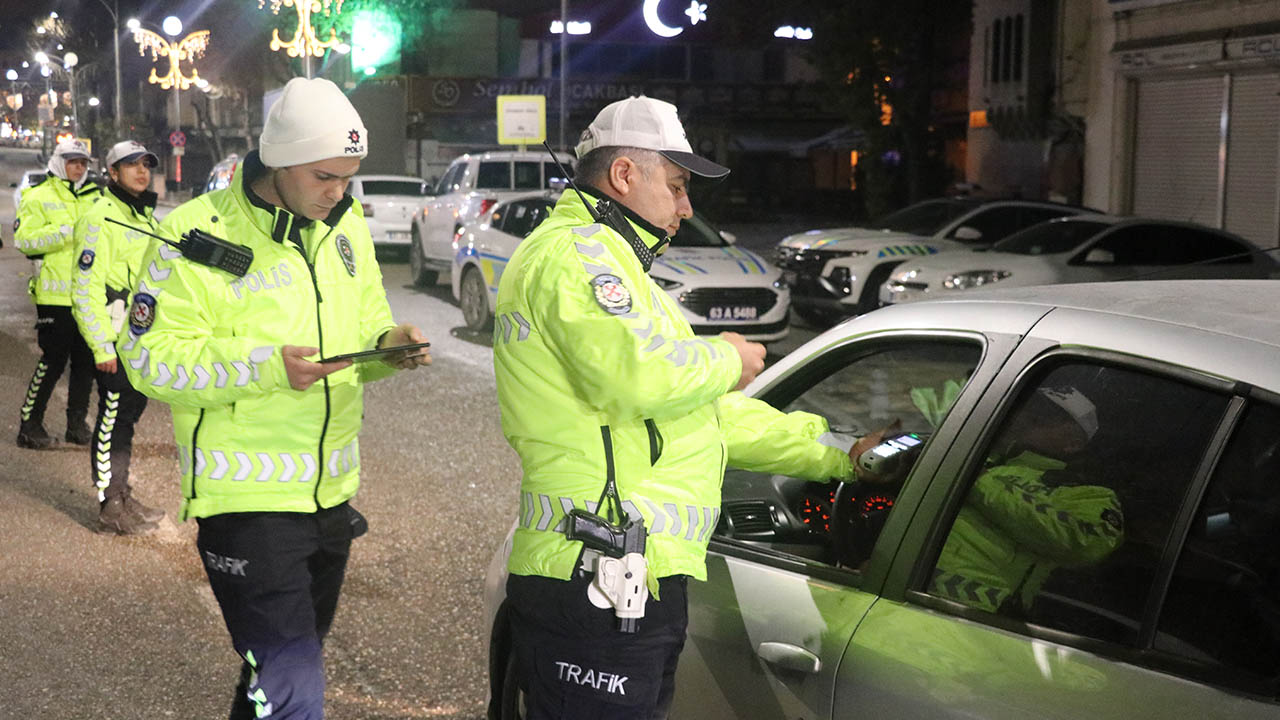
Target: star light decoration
697	12
187	49
304	42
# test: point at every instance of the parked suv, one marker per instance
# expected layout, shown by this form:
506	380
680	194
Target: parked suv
838	272
468	189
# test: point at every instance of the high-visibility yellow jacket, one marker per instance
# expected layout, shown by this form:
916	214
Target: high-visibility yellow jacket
1014	530
585	344
107	258
208	343
44	229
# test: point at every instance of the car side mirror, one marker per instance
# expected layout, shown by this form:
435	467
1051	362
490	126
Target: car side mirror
965	233
1100	256
13	184
729	237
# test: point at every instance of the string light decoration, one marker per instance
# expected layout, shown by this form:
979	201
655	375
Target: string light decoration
187	49
305	42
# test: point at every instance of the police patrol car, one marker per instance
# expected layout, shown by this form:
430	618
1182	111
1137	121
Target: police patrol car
719	286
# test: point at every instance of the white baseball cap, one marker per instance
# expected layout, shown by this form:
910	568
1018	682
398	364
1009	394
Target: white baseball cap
72	149
649	124
1074	403
128	151
312	120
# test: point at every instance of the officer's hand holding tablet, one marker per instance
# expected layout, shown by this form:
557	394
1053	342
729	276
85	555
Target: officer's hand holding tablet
403	347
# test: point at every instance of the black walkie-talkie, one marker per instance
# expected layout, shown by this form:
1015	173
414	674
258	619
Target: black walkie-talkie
609	213
201	247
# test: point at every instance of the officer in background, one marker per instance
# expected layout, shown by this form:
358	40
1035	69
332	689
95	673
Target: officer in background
109	259
599	376
47	216
1026	515
266	434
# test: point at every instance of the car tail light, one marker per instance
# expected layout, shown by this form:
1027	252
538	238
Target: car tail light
486	205
368	209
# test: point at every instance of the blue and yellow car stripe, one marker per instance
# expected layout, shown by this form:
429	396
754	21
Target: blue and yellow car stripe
905	250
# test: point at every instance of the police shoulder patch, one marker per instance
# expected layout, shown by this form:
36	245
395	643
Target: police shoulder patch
347	254
611	294
86	259
142	314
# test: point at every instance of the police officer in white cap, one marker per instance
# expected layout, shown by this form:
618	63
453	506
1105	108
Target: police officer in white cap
108	258
267	434
47	215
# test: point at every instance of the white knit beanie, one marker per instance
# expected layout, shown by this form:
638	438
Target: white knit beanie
311	121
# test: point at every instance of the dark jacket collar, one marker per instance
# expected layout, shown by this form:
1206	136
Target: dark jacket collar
282	222
139	204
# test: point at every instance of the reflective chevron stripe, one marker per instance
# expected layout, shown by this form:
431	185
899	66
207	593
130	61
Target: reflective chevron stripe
506	323
689	522
239	466
33	390
968	591
102	444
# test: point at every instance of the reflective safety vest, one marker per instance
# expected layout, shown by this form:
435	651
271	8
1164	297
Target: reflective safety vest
106	260
1013	531
587	347
44	230
208	343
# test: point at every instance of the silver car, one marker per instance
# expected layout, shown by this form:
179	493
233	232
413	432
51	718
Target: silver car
841	601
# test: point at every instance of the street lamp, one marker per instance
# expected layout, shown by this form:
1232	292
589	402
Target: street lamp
69	61
188	48
115	32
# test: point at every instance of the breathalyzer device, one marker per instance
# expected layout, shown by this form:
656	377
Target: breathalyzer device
893	457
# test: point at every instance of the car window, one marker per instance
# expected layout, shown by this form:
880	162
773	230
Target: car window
494	175
528	175
393	187
925	218
914	382
1195	245
452	179
1049	238
518	218
1222	610
1064	521
997	223
551	173
697	232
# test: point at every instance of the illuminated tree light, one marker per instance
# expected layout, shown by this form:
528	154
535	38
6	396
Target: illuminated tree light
187	49
305	41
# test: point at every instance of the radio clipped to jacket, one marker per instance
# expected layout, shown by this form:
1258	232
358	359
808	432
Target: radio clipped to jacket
204	248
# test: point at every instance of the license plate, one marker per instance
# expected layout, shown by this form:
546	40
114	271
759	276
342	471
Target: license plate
732	312
398	236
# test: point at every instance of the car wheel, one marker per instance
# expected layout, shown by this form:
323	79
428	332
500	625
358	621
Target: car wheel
418	272
474	300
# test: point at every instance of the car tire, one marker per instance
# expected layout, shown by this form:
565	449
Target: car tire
473	298
418	272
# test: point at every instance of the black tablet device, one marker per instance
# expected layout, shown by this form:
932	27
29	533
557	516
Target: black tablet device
375	354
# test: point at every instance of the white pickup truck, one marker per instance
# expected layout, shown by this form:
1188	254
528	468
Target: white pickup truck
472	185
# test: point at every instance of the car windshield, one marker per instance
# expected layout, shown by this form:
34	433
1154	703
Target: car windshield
697	232
394	187
1049	238
924	218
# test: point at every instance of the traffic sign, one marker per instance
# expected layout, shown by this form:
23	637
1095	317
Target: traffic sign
177	138
522	119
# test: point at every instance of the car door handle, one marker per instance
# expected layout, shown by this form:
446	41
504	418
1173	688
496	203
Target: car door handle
789	657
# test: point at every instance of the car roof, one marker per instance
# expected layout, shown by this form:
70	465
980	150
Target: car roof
1128	220
405	178
516	155
1223	306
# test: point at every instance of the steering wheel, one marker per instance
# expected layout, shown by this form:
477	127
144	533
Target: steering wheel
857	517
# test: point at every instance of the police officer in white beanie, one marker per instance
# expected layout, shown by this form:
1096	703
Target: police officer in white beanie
268	435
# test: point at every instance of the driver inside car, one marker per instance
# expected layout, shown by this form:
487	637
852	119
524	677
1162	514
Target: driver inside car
1025	516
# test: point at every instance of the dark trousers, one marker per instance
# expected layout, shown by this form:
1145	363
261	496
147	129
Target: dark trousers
60	341
277	577
119	407
574	663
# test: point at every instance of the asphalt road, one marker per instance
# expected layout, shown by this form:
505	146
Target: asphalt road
98	626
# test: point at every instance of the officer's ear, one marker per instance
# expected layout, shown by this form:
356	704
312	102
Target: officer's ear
624	173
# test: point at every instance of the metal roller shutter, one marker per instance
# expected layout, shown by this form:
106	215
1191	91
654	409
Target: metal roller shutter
1176	159
1253	148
